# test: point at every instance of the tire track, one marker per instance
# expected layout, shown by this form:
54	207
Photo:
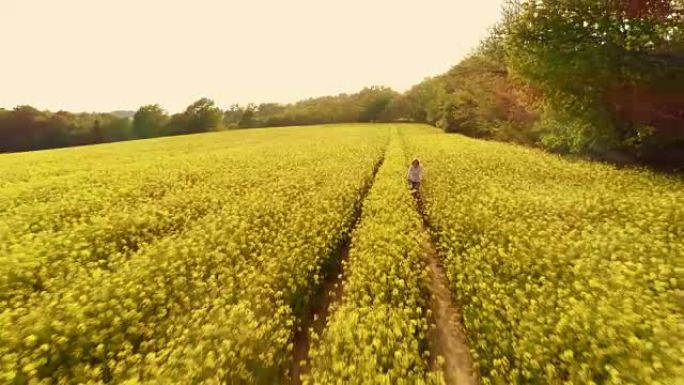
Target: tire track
328	295
447	339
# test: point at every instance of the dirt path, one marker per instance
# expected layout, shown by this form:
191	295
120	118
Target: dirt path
329	294
448	337
321	306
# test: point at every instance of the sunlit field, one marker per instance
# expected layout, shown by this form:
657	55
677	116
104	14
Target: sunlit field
204	258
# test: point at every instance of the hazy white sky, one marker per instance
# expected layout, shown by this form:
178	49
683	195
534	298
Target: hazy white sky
103	55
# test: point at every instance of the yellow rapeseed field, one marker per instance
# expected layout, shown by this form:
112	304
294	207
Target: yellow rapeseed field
378	333
195	260
179	260
566	272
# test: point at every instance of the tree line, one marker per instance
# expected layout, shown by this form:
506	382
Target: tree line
25	128
602	79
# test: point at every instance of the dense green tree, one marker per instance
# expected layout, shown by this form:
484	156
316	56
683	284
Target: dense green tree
598	78
176	125
425	100
26	128
202	116
264	113
232	116
248	116
597	64
149	121
373	102
398	109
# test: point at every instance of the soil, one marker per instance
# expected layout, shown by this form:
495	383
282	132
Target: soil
447	339
330	294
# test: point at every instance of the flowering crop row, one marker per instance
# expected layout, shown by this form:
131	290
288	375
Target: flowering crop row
100	204
566	272
208	296
191	259
377	334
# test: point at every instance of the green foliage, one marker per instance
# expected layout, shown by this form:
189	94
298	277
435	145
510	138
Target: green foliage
232	116
202	116
149	120
248	117
581	46
603	79
565	272
425	99
368	105
582	55
477	98
26	128
374	102
378	332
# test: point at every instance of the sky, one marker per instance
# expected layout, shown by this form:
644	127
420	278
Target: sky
105	55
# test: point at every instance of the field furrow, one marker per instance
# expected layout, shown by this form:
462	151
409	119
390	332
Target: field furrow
217	303
299	255
378	332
